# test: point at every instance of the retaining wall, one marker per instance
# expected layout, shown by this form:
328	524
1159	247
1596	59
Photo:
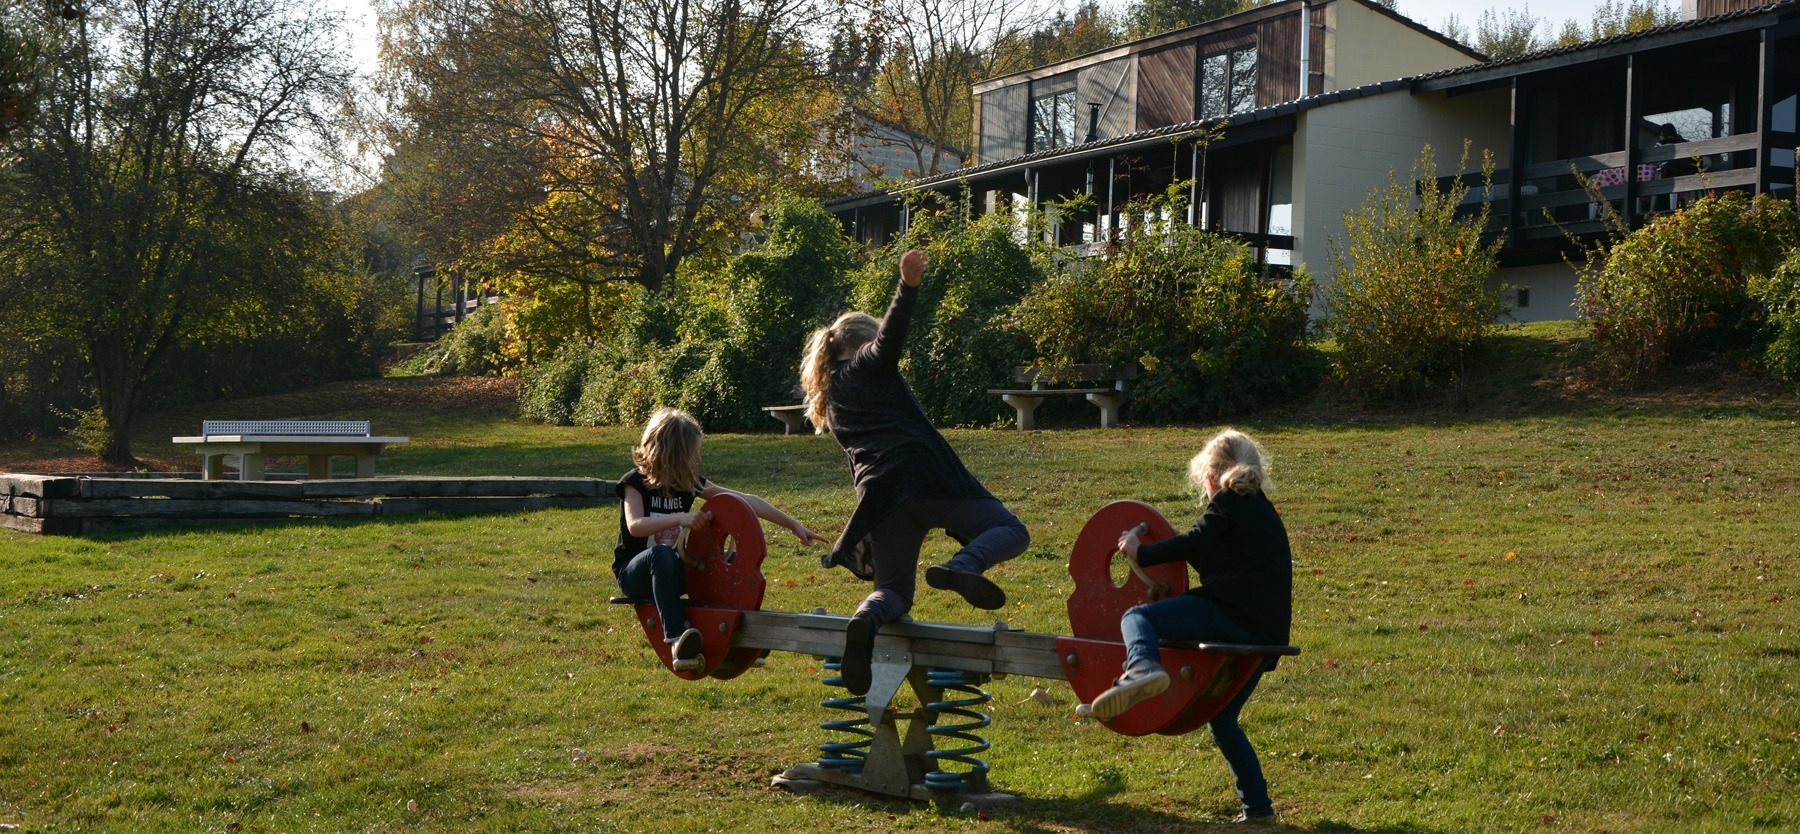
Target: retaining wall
73	504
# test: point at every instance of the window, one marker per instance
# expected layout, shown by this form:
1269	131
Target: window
1523	296
1053	120
1228	83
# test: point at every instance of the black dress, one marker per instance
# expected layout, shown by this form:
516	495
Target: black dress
895	453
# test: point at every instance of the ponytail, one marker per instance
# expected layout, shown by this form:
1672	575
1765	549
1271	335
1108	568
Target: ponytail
828	344
815	379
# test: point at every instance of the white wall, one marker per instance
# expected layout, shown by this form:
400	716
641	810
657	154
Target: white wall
1343	151
1363	46
1552	293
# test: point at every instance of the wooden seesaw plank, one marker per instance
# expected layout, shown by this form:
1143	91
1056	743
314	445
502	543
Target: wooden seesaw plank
986	650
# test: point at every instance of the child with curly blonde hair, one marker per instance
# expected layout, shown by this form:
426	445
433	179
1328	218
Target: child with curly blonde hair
1240	549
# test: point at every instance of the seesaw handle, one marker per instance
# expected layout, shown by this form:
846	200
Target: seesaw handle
1158	590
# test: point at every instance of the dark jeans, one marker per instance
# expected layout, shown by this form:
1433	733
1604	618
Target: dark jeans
1189	617
657	573
993	533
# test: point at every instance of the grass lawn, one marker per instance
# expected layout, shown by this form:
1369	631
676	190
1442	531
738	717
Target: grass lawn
1548	612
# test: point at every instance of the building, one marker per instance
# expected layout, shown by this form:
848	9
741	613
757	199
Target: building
1303	129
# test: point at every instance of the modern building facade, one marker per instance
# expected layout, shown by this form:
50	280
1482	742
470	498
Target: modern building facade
1281	134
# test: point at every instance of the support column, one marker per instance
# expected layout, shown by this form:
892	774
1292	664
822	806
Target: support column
1631	149
1515	211
1765	94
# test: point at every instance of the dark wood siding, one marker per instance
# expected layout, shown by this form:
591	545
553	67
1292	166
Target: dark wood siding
1165	88
1278	60
1005	115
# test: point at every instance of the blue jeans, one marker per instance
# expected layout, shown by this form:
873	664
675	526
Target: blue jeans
657	573
993	533
1189	617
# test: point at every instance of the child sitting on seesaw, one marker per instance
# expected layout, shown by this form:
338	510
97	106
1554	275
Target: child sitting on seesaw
656	502
1240	549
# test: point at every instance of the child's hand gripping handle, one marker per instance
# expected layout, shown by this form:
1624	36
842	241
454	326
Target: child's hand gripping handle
1158	590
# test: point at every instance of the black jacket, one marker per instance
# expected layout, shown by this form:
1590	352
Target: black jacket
1240	549
895	453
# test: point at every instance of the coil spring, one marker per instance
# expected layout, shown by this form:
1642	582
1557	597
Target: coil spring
975	779
846	756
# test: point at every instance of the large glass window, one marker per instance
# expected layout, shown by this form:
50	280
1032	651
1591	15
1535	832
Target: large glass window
1228	83
1053	120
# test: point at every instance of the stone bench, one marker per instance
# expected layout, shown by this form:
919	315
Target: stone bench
1102	385
792	417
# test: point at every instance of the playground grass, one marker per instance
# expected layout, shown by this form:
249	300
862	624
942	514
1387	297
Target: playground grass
1575	620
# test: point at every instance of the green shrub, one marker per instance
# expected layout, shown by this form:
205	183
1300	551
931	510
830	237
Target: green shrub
1211	334
720	344
1410	295
1681	284
775	296
1778	292
474	347
552	388
958	345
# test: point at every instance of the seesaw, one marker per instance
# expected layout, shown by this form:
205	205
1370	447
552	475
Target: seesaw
945	664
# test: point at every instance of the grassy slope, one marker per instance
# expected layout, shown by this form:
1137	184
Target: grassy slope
1551	611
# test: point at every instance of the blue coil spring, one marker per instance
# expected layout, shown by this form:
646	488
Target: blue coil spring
975	778
846	756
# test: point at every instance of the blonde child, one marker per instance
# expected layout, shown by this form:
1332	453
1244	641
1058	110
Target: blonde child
1240	549
656	502
908	479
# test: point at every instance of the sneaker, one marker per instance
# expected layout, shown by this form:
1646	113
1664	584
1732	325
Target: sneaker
979	590
1133	687
688	645
859	652
1260	819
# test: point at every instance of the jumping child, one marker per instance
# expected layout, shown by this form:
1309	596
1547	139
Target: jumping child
656	502
908	479
1240	549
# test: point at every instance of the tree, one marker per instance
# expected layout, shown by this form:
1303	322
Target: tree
637	113
1508	33
1151	17
20	73
1065	36
1619	17
150	205
925	55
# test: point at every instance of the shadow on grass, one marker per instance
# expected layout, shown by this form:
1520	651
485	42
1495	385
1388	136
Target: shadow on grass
1093	813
